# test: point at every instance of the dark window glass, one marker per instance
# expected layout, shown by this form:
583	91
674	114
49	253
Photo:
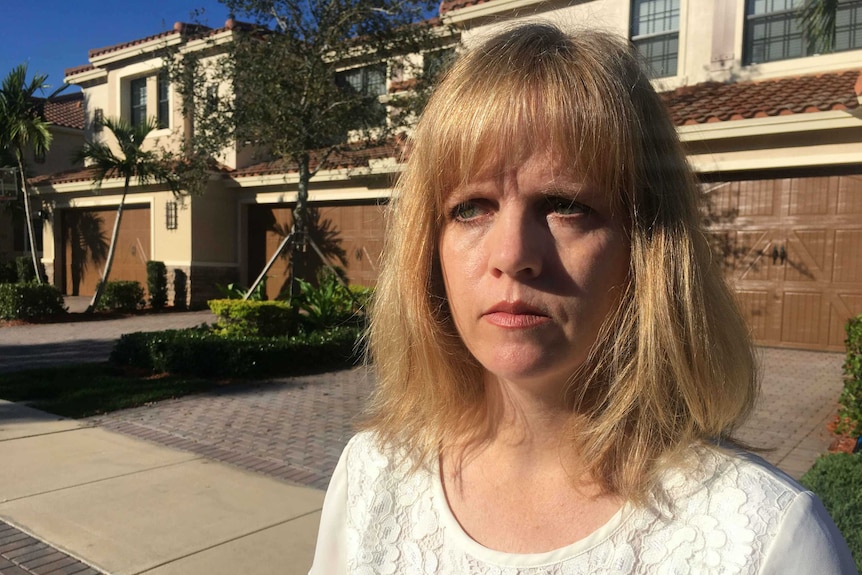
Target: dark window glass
164	108
138	96
655	32
368	80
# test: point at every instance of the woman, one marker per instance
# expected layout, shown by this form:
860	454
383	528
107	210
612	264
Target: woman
560	365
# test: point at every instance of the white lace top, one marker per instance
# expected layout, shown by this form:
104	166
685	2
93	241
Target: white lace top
734	514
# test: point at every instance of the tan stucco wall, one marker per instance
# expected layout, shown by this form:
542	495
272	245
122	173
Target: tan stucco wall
214	226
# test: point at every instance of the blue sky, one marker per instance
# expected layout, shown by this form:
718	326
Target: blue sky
52	35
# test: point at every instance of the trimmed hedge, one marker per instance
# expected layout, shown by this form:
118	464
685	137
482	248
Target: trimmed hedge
850	412
238	318
157	284
30	300
202	353
122	295
837	479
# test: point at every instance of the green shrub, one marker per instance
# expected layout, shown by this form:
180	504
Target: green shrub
236	291
25	270
254	318
202	353
8	272
157	284
837	479
122	295
330	304
30	300
181	282
850	412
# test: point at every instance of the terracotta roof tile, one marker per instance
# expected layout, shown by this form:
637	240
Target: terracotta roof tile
79	69
67	111
344	160
717	102
179	28
449	5
69	176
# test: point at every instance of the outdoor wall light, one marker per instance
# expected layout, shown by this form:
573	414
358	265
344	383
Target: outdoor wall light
171	215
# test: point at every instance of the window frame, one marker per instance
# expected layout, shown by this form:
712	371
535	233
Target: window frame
641	40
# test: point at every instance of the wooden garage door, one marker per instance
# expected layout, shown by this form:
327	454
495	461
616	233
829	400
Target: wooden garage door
86	238
350	236
793	252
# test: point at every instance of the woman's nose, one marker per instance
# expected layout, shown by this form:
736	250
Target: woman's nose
515	245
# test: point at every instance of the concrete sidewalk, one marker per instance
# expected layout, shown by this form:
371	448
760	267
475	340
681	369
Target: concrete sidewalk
126	506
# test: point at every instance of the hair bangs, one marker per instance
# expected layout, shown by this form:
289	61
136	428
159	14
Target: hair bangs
505	102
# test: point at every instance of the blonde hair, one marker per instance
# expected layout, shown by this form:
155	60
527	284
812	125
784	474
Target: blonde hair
672	365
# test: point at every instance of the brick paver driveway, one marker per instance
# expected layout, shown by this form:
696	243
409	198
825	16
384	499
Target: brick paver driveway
293	429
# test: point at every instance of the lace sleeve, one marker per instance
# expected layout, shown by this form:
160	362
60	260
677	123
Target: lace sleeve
808	542
330	554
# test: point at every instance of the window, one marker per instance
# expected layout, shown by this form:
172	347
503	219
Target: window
164	109
848	26
773	30
436	62
368	80
655	32
138	96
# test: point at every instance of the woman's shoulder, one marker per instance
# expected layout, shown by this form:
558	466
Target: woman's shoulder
730	478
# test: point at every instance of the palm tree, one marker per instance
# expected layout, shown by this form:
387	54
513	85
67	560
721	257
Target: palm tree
21	128
131	162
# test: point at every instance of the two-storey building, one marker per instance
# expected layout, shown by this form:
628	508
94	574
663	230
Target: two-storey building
773	129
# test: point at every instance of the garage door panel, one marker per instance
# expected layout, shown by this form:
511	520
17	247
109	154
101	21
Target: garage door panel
754	305
816	224
350	236
849	195
809	196
806	255
847	258
842	306
86	238
760	197
802	314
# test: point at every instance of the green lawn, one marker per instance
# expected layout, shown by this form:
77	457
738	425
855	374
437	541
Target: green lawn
93	388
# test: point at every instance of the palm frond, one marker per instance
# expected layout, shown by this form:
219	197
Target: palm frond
818	23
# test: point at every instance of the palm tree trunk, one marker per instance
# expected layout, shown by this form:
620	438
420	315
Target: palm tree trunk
28	215
110	259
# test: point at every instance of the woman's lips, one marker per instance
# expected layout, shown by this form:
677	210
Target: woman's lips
515	315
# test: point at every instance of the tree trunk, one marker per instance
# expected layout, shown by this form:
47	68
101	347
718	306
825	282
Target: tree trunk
110	259
300	227
29	216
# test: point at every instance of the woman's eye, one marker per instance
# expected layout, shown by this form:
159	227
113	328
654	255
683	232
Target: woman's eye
567	206
465	211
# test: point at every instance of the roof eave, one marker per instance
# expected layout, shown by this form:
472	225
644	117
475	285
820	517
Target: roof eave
786	124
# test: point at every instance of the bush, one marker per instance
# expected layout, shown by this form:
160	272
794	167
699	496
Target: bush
122	295
181	282
836	478
25	270
330	304
8	272
850	412
30	300
157	284
254	318
202	353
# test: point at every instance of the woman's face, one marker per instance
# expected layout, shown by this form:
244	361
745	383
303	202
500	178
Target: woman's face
533	261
